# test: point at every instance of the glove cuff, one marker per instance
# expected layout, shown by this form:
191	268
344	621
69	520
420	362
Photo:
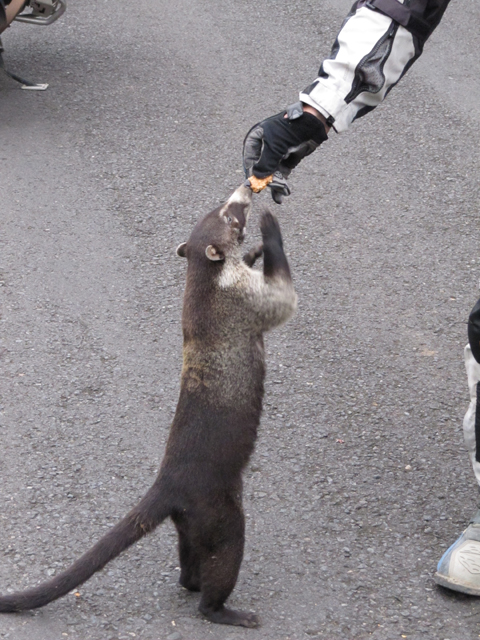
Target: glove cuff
307	122
309	127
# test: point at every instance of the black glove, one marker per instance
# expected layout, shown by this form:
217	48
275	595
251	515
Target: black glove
276	145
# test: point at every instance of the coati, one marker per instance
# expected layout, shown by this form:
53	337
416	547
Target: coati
227	307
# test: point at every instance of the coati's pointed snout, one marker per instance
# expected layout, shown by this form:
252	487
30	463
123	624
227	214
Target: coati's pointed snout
237	210
242	195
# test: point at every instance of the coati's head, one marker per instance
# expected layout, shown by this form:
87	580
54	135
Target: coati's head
220	233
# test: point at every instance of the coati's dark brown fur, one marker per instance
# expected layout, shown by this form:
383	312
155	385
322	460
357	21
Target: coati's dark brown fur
227	307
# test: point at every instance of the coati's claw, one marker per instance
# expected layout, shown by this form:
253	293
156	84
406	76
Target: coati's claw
250	620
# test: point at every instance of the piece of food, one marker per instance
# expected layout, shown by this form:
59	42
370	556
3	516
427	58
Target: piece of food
258	184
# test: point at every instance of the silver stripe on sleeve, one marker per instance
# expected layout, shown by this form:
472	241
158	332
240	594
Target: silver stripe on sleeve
370	44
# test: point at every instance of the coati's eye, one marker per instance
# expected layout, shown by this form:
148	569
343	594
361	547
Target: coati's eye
229	219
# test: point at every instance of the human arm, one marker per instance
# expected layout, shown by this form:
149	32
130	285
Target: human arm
370	55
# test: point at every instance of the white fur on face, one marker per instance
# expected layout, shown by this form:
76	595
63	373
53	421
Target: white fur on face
242	195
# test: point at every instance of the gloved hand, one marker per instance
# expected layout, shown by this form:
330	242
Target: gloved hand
277	144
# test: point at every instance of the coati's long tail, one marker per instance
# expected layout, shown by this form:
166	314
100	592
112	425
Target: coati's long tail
142	519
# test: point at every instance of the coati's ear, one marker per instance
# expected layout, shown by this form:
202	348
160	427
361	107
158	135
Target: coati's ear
213	253
181	250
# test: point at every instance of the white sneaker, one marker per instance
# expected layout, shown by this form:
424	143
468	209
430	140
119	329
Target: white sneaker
459	567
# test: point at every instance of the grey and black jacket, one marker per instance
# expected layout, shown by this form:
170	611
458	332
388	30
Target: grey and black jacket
377	44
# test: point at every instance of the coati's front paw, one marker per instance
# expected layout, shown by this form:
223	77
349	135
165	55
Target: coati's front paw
270	228
252	256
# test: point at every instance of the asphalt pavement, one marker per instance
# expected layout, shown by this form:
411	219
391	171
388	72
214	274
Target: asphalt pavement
360	479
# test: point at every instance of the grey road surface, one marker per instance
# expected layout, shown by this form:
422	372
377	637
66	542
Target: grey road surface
360	479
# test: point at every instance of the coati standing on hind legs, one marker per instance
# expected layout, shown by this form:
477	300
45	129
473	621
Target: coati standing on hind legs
227	307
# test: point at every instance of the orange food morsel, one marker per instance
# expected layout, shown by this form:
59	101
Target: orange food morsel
258	184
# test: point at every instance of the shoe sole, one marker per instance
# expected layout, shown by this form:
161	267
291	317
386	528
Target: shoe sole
450	583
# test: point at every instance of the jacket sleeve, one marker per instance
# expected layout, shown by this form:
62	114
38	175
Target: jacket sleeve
377	44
